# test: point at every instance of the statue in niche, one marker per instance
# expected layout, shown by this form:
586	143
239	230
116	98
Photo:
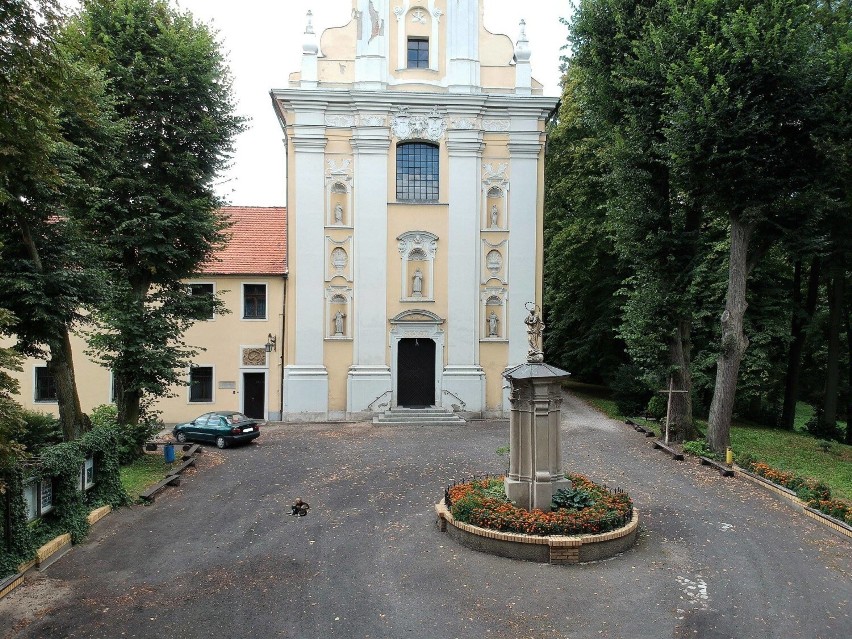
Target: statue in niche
494	214
338	323
338	214
417	285
492	324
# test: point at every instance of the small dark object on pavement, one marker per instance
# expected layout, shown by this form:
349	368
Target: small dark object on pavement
300	508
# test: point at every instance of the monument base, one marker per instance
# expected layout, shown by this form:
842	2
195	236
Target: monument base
532	495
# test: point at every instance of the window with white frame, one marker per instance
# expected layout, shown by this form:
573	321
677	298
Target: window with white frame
201	384
38	497
417	174
418	53
45	385
254	301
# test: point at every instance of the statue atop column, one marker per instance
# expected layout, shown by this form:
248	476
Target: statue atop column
535	334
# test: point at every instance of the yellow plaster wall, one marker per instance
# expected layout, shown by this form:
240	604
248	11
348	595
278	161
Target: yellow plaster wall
338	359
222	336
493	357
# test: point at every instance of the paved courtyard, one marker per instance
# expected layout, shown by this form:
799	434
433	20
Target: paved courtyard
220	557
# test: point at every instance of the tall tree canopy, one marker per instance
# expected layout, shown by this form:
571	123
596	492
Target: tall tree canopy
55	137
156	220
714	124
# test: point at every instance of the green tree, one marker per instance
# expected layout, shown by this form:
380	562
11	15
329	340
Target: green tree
10	410
157	219
739	137
54	130
582	273
620	57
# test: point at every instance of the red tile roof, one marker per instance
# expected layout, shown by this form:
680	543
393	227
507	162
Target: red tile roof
257	244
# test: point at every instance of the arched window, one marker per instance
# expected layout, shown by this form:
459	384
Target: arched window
417	172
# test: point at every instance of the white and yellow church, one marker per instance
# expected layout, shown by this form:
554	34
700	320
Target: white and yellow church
415	165
398	275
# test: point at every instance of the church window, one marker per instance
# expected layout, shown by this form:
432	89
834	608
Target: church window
418	53
417	172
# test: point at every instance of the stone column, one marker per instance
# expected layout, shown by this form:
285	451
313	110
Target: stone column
463	376
535	457
369	377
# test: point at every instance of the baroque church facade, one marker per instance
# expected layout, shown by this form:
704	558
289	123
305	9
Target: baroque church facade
415	168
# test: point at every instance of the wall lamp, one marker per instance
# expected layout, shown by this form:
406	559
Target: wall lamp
271	343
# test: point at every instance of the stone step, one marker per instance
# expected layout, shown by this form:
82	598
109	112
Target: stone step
433	416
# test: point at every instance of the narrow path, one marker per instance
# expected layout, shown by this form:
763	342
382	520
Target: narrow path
219	557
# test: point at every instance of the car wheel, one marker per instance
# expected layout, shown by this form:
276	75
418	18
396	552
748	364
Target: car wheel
181	437
220	442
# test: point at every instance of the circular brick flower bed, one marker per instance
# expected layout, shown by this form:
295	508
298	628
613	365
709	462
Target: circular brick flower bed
597	523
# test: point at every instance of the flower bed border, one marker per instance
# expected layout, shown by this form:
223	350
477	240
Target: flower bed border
786	493
553	549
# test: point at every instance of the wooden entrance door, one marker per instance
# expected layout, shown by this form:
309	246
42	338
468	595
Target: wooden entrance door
415	376
254	395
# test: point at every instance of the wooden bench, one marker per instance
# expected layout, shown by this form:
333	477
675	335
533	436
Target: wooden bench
148	495
722	468
671	451
190	451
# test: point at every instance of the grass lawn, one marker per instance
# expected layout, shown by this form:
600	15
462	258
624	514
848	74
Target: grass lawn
144	472
788	451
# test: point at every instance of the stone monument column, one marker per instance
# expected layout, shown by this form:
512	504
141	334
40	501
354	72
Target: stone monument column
535	438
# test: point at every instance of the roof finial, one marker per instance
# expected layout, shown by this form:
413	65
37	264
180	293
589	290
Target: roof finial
522	47
309	45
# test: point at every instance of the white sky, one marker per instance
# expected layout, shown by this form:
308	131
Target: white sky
264	41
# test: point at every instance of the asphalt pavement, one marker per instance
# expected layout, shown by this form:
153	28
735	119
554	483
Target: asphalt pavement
220	556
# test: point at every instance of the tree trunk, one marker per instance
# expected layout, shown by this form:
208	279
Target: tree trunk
848	438
734	341
61	367
128	402
801	318
680	350
832	369
61	363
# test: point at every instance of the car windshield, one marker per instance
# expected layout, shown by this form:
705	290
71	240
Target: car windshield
236	418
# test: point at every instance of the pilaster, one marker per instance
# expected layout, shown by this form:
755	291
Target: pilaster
463	378
369	376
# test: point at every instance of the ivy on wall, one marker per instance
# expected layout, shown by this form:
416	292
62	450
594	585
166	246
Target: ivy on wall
62	463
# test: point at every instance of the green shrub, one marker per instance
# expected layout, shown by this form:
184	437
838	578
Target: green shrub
629	390
573	498
129	439
37	431
657	407
699	448
462	509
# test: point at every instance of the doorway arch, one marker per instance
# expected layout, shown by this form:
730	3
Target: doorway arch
411	331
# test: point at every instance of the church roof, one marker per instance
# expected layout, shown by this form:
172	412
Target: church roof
257	244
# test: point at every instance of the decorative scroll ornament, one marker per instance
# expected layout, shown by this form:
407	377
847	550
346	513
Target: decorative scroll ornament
535	334
429	127
372	120
489	173
464	124
495	125
254	357
342	170
437	13
340	121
